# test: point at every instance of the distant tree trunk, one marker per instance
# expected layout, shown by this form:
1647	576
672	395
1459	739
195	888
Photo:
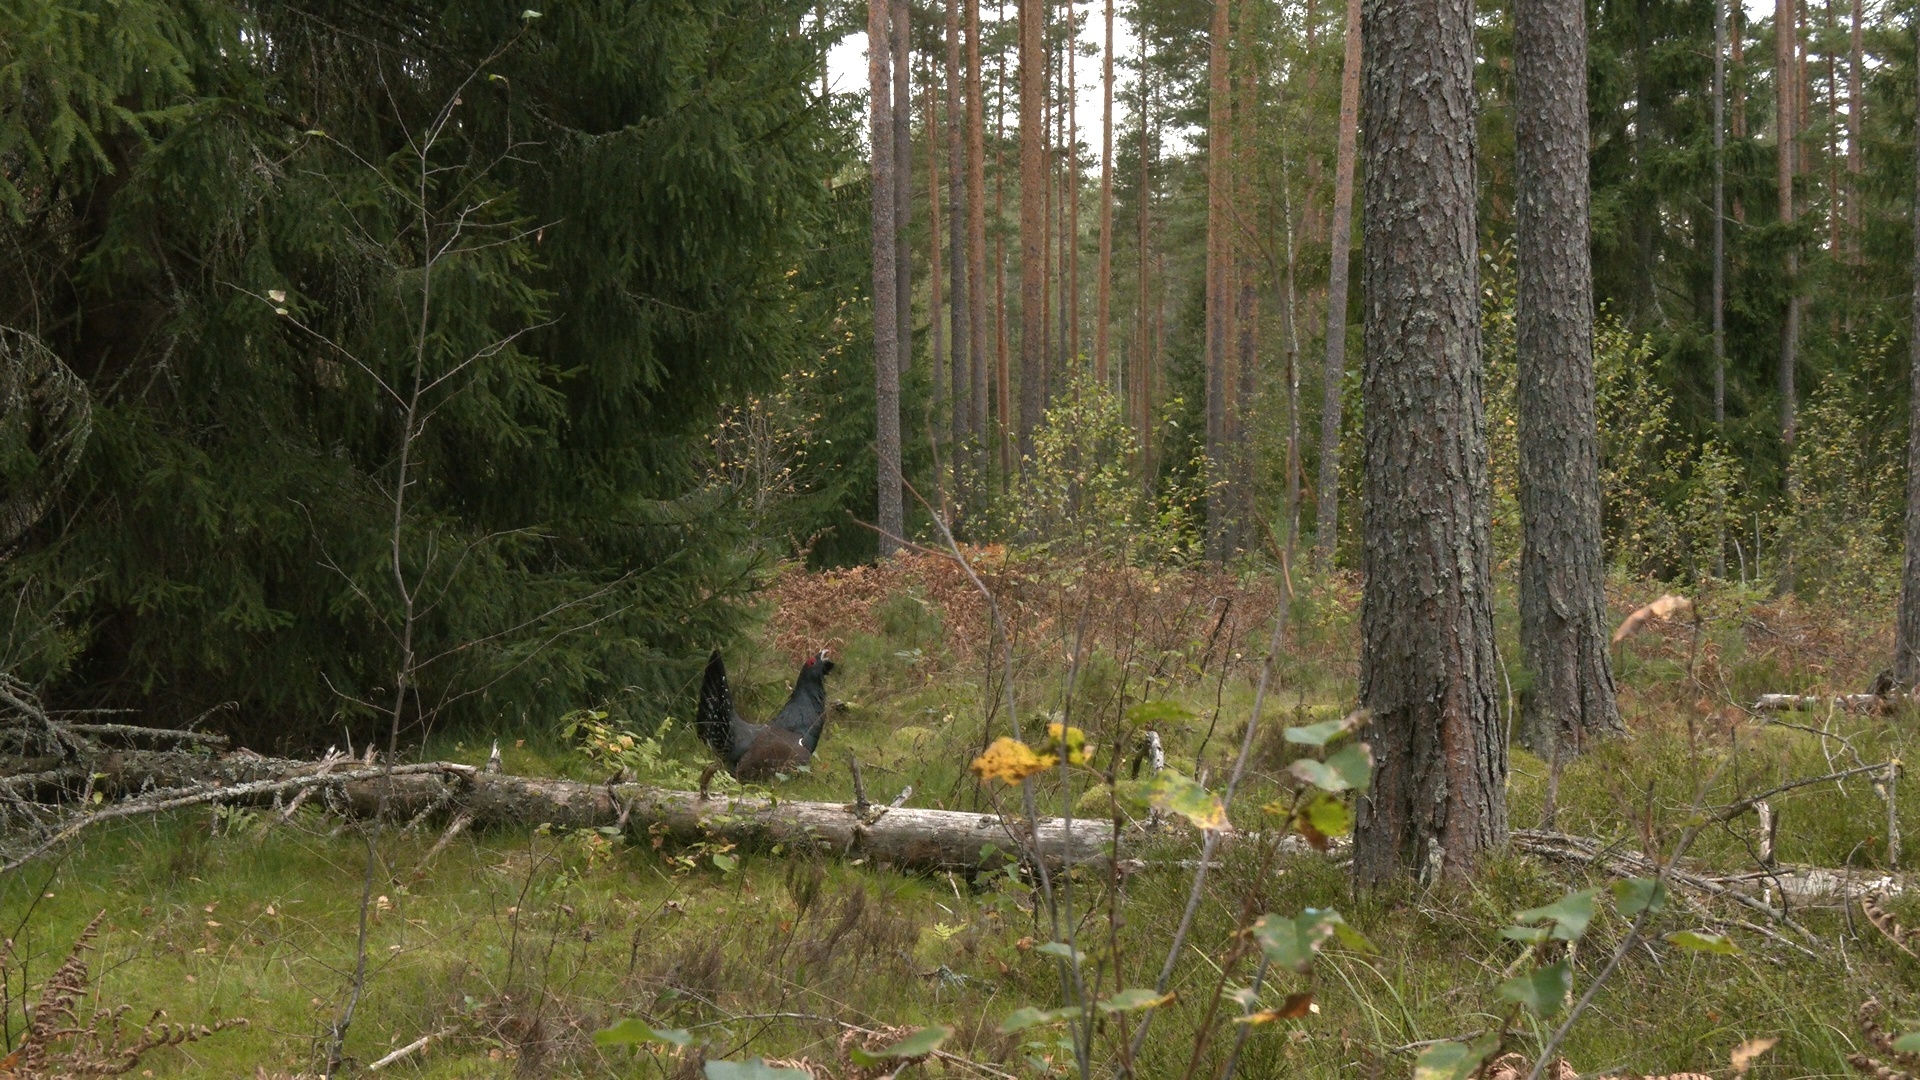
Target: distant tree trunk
1835	199
886	326
1854	102
1220	299
1246	308
1003	374
903	179
1426	661
1033	220
1720	262
1327	513
936	334
1070	307
1786	78
961	381
976	244
1102	304
1289	310
1563	600
1143	334
1720	229
1906	648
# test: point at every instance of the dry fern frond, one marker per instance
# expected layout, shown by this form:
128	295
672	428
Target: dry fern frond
1880	1039
1516	1067
100	1045
1907	941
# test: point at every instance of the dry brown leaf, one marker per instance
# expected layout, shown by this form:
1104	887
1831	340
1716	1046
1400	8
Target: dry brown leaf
1743	1055
1666	607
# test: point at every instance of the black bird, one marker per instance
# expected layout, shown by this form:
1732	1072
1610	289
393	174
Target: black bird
758	751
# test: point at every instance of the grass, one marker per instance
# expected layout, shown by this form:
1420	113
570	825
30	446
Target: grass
519	944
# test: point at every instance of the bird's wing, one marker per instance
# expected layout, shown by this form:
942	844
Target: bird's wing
716	718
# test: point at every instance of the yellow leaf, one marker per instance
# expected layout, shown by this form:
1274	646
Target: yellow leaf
1011	760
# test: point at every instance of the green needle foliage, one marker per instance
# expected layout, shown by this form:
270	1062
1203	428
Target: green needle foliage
254	229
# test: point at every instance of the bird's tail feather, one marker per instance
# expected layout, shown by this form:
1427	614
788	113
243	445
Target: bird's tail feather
714	720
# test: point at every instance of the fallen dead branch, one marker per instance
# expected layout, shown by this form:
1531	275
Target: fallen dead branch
1852	703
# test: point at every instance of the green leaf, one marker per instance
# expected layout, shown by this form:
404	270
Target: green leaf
917	1045
1570	914
1532	935
1293	943
1908	1043
1703	941
1454	1060
1157	713
1316	734
1027	1016
1545	991
727	863
1062	950
1138	999
1328	814
751	1069
633	1031
1347	769
1631	896
1177	794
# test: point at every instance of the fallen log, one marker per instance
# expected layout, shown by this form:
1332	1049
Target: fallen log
147	782
1853	703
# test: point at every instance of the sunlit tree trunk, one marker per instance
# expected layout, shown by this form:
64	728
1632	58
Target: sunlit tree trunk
1563	601
1787	79
886	326
1003	366
1855	101
1426	661
1327	512
936	333
1143	335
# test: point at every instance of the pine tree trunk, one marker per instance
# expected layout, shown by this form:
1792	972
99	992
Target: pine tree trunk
886	326
1327	512
1906	647
960	383
1787	78
1102	303
903	179
1003	374
936	333
1854	102
1220	298
1070	205
976	246
1033	220
1143	334
1563	601
1246	360
1426	663
1720	263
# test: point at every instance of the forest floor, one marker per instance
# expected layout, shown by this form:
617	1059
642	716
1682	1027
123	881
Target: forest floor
513	947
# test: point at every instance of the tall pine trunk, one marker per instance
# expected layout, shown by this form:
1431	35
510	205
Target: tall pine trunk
1220	299
1854	102
1070	203
1104	287
936	333
1563	601
976	245
1786	85
1033	220
903	179
1246	306
1327	512
1906	647
886	326
960	384
1143	333
1426	661
1720	263
1003	365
